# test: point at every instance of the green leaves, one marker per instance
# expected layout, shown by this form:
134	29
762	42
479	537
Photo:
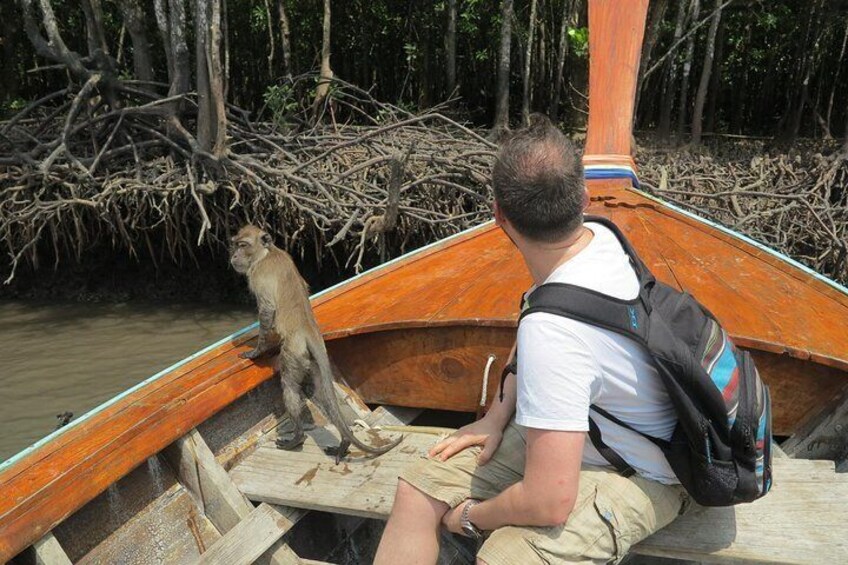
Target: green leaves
578	37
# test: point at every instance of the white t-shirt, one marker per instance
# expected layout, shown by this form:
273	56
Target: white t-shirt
565	365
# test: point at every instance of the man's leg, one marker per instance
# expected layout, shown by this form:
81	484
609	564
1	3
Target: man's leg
412	532
428	489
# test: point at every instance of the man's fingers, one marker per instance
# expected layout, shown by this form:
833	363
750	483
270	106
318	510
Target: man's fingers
436	449
458	445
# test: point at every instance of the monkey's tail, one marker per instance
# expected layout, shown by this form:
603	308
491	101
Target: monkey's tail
327	395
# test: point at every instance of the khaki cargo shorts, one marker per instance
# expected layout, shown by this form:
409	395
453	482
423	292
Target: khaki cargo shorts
611	512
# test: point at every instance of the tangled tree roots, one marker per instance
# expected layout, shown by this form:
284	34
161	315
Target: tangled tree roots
339	185
369	180
796	203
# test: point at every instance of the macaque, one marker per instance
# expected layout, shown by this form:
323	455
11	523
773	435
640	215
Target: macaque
286	320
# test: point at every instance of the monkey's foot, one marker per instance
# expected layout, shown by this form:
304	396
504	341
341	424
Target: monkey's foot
252	354
291	443
340	452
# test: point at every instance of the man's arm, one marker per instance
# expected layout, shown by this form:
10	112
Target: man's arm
546	495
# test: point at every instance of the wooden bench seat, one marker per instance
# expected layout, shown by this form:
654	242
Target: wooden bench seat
801	521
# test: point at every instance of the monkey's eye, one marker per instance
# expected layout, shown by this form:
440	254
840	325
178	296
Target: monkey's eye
242	244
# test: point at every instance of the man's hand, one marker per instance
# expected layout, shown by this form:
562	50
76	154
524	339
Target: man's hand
452	520
482	432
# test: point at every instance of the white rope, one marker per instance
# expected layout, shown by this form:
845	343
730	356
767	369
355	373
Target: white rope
485	393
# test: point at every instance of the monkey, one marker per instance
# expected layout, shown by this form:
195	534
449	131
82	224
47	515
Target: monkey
286	320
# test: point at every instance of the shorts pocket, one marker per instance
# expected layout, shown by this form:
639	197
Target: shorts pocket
617	529
593	533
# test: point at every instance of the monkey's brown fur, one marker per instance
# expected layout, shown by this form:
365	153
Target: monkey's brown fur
286	318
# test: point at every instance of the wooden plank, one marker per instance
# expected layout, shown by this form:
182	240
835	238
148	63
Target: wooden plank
807	499
249	539
48	551
310	479
217	496
392	416
206	480
169	529
824	437
280	553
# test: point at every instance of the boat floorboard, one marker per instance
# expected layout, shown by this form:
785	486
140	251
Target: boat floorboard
800	521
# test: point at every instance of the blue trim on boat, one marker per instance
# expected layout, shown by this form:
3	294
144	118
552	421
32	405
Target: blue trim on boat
746	239
218	343
595	172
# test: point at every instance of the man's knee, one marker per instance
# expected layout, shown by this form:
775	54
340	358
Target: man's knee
407	494
409	498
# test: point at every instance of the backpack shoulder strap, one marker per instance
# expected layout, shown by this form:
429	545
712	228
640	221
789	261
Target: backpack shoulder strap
626	317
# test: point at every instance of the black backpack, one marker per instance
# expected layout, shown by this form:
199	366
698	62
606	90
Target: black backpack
721	446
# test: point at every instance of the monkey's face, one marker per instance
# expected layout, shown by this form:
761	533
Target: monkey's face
248	246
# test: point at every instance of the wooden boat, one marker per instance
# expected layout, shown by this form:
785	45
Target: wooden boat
170	470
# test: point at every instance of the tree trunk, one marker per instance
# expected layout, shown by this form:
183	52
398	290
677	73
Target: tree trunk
568	13
132	13
715	79
807	66
502	94
271	42
181	78
701	96
528	60
669	84
687	69
94	26
326	71
836	76
211	120
54	47
225	33
205	122
740	95
652	31
216	80
450	47
285	35
160	10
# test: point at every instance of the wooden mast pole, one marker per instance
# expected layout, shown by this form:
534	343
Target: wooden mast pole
616	30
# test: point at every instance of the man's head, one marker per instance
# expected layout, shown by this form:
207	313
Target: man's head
538	182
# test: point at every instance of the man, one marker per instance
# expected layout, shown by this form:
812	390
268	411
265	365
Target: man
525	476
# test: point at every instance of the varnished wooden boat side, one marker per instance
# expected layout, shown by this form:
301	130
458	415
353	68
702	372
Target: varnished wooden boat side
417	332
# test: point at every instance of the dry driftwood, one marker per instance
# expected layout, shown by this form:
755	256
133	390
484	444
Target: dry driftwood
82	177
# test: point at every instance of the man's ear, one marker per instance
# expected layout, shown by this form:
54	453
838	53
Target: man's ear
585	198
498	213
265	239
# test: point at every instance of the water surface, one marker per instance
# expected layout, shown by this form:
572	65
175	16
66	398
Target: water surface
72	357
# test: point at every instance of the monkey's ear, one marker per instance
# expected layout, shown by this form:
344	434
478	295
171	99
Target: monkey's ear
265	239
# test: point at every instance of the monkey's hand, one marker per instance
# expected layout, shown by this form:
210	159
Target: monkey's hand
485	433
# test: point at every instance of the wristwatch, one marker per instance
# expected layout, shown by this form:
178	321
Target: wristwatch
470	529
